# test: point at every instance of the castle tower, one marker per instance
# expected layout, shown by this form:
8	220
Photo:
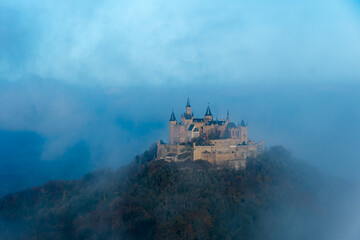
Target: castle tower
208	115
172	126
188	107
243	133
187	117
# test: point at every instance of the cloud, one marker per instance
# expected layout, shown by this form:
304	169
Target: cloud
318	122
99	72
126	43
65	115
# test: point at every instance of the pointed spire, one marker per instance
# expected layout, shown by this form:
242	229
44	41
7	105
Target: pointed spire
188	103
172	117
228	116
243	123
208	111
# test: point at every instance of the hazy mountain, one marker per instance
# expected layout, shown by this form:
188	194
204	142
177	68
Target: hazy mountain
275	197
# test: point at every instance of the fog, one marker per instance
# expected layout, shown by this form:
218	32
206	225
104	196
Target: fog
90	84
107	127
117	43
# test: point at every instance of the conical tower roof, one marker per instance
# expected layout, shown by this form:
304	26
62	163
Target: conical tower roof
172	117
188	103
208	112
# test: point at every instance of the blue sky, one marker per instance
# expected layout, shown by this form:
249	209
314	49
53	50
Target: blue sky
101	77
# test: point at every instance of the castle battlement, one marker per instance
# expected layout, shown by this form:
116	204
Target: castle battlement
221	142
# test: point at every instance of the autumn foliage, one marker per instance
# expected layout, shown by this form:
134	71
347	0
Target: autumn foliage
161	200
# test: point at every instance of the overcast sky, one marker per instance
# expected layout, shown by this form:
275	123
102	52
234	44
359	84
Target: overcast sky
101	77
156	42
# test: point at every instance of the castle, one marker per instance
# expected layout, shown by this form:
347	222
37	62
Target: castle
220	142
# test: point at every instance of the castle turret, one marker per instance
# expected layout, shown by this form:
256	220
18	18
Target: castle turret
243	132
208	115
172	128
172	117
188	107
187	117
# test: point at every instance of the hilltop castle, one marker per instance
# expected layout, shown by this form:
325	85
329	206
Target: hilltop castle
221	142
190	127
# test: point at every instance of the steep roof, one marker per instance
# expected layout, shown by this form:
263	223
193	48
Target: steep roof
215	122
198	120
231	125
172	117
188	103
208	112
219	122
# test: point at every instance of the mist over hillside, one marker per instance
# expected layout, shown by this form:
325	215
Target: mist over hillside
44	122
87	85
105	75
276	197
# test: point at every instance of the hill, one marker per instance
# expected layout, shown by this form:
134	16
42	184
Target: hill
276	197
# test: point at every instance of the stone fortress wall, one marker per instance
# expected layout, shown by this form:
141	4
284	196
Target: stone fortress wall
220	152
